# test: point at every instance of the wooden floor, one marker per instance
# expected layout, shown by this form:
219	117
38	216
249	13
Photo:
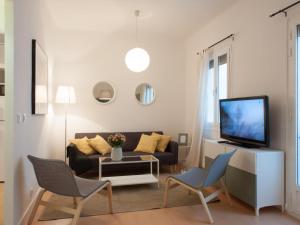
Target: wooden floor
223	214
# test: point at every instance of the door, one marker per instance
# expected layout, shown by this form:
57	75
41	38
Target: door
293	128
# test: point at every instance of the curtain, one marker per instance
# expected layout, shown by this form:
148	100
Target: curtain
194	156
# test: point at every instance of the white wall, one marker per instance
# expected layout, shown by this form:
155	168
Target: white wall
30	137
91	58
259	59
1	16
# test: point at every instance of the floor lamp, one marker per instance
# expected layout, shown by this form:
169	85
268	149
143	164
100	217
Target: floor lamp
65	95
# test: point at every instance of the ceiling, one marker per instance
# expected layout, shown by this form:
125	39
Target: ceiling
173	17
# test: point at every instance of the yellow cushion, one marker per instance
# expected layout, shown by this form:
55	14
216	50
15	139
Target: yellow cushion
83	145
163	141
100	145
147	144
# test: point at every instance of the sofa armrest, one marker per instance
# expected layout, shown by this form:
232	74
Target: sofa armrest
78	161
173	148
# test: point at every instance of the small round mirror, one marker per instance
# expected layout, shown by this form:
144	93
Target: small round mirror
104	92
145	94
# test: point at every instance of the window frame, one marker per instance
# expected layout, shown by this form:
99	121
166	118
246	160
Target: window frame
212	128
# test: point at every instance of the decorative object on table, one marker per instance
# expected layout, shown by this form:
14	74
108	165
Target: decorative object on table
104	92
39	92
116	141
183	139
145	94
137	59
65	95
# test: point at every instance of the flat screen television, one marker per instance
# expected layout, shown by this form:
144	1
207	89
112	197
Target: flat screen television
245	121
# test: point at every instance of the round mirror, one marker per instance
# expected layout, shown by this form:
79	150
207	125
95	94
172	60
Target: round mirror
145	94
104	92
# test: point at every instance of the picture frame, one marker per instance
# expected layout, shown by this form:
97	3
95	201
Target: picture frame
39	90
183	139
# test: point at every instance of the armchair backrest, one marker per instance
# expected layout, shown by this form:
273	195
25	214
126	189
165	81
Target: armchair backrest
54	176
218	168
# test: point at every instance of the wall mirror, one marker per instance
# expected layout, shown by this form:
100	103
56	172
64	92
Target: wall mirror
104	92
145	94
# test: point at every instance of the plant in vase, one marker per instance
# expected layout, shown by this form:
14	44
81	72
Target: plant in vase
116	141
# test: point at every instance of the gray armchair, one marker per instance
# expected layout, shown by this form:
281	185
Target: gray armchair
55	176
196	179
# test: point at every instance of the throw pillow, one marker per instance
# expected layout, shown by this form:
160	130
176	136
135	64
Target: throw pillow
83	145
99	144
163	141
147	144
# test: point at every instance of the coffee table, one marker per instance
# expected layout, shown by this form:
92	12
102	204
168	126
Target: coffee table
148	178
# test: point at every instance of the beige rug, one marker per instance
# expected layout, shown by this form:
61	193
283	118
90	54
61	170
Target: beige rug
126	199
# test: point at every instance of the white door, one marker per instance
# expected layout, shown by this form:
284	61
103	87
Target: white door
293	128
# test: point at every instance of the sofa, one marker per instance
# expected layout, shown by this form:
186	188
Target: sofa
81	163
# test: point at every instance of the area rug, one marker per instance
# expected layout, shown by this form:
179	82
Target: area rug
126	199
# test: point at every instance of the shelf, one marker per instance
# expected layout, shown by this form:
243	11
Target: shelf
131	180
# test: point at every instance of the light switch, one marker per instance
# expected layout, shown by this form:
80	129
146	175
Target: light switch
19	118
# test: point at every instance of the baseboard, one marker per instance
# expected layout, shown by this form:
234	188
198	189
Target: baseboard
27	212
293	214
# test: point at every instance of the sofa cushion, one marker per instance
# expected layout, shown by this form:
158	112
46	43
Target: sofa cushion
147	143
132	138
99	144
83	145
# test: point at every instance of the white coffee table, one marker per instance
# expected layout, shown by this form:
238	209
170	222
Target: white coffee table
148	178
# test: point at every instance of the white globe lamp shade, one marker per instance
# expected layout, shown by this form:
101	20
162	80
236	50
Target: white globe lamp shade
137	60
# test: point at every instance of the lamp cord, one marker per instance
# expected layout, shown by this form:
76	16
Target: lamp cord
136	13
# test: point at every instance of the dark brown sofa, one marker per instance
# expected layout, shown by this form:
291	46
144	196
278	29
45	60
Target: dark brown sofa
82	163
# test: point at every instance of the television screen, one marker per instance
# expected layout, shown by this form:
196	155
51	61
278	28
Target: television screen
245	120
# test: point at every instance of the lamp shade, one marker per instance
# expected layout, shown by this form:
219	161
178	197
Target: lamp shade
65	95
137	60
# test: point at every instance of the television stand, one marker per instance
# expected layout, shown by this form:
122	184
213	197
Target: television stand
244	145
255	176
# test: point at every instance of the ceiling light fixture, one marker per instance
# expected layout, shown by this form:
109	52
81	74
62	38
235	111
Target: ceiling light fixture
137	59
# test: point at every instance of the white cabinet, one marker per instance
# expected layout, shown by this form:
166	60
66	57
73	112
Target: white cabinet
255	176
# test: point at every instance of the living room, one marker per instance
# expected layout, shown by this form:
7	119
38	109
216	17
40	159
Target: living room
86	45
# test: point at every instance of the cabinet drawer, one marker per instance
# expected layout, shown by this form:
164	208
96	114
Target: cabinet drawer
243	160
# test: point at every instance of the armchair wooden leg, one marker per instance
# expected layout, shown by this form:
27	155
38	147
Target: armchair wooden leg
74	202
205	206
79	203
166	192
36	206
226	192
109	196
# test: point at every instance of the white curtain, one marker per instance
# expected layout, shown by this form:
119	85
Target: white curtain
194	156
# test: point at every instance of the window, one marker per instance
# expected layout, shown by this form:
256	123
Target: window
217	85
